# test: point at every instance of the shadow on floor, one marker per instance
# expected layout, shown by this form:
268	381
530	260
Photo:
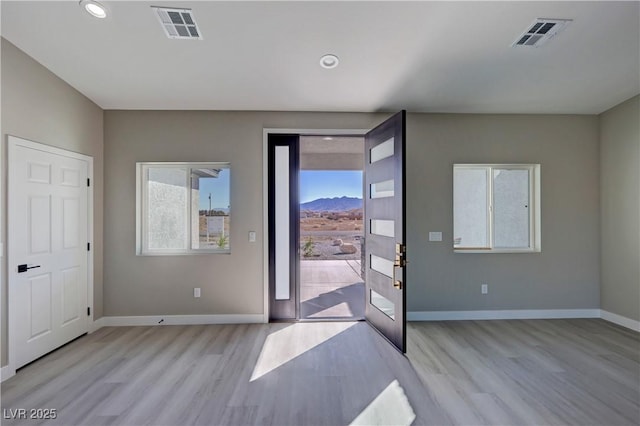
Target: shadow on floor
331	289
344	302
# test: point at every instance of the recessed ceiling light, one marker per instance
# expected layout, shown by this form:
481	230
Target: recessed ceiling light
327	138
94	8
329	61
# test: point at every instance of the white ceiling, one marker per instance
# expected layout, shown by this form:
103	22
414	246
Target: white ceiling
419	56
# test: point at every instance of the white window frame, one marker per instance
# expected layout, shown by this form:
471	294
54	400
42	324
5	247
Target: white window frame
142	248
535	243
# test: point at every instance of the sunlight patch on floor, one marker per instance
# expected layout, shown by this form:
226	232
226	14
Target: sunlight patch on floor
284	345
390	407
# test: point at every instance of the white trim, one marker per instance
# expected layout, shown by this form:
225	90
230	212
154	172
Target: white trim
92	245
620	320
265	225
96	325
181	320
142	226
47	148
12	143
502	314
6	373
316	132
535	243
265	193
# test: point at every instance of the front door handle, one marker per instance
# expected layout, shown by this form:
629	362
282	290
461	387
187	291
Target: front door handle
24	268
400	262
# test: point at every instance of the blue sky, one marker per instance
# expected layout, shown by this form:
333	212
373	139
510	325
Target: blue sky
219	190
316	184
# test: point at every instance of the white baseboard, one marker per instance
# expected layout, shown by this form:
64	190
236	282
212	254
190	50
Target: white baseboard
181	320
620	320
502	314
96	325
6	372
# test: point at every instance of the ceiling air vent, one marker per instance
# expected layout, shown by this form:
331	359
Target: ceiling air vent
178	23
541	31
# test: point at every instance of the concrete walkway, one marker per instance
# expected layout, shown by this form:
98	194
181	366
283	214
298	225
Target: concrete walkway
331	289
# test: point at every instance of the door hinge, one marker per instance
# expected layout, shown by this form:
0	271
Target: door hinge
88	310
88	246
88	182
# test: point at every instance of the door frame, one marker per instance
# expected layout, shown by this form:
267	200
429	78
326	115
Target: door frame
13	142
265	192
287	309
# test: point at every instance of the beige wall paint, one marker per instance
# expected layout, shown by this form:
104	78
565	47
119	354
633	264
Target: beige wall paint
565	274
620	187
38	106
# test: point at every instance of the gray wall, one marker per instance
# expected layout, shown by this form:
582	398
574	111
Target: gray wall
163	285
565	274
38	106
620	189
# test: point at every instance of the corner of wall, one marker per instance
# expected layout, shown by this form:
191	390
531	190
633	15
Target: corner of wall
619	139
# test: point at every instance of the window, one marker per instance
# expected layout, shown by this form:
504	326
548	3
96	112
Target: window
496	208
183	208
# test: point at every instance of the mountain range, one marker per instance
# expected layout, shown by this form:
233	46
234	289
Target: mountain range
335	204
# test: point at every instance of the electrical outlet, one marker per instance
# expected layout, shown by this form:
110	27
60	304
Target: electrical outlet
435	236
252	236
484	288
196	292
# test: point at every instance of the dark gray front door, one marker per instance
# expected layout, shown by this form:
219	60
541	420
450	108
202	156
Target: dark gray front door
385	252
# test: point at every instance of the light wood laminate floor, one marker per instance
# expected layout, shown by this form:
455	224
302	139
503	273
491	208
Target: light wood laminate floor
530	372
263	374
474	372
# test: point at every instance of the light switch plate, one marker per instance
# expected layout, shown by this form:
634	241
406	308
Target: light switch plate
252	236
435	236
196	292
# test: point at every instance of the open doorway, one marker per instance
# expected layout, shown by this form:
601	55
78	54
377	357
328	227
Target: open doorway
384	216
331	228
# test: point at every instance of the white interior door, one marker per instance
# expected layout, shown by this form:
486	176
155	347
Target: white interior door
48	249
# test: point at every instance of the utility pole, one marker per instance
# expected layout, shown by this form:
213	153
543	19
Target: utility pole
209	204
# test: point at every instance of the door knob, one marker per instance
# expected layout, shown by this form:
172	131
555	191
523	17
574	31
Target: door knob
24	268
